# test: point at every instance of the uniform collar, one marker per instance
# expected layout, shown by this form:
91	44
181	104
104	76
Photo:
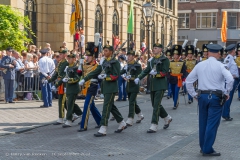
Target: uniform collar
132	62
108	59
157	56
70	65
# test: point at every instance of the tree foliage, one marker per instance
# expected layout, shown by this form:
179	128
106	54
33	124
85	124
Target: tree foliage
13	28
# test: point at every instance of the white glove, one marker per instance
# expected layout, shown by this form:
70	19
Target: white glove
81	61
81	82
153	72
136	80
45	81
128	77
65	70
53	88
65	79
125	67
102	76
101	61
123	75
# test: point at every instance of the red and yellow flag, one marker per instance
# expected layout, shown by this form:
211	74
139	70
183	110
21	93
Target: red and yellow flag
224	27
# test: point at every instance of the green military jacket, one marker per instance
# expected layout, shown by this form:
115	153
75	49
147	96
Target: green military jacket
59	72
159	81
72	86
134	70
111	68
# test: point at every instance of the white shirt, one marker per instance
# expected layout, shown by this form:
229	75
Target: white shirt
46	65
211	75
82	40
231	65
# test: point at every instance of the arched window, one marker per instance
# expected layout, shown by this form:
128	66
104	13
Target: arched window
153	33
98	20
162	34
30	10
142	30
80	22
115	23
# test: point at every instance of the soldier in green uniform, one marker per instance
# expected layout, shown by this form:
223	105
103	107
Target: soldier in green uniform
131	71
72	89
108	71
158	67
58	75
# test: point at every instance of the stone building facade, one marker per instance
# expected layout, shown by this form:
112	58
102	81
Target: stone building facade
202	19
50	20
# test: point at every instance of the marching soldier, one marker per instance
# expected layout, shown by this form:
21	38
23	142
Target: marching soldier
9	65
157	67
184	55
108	71
168	54
91	86
230	64
72	89
237	60
58	75
132	70
205	52
177	73
198	56
190	64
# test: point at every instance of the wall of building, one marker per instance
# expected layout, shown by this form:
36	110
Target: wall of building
53	18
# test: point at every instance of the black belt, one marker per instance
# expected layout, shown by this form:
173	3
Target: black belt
218	93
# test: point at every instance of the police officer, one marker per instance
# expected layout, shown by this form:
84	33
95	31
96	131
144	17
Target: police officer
9	65
158	67
231	65
211	75
108	71
46	67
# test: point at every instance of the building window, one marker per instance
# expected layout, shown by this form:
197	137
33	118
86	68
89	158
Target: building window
232	20
183	20
153	33
142	30
170	4
206	20
98	20
162	34
153	1
161	2
115	24
30	11
80	22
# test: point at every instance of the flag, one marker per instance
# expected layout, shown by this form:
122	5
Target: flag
78	11
130	26
224	27
72	19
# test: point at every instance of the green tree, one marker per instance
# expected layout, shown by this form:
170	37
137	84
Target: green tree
13	29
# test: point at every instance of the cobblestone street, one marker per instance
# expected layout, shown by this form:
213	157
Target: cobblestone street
22	138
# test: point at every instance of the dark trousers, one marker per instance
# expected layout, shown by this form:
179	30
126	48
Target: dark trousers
89	105
133	107
108	106
169	90
72	107
121	88
226	107
158	110
175	91
8	89
46	93
210	112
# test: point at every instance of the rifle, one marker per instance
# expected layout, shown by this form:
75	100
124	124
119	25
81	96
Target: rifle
169	44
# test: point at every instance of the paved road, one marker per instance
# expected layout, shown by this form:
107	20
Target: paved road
180	141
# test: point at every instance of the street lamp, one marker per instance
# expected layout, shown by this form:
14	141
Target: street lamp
120	3
148	10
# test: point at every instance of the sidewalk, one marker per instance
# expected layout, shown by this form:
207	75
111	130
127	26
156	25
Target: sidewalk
178	142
